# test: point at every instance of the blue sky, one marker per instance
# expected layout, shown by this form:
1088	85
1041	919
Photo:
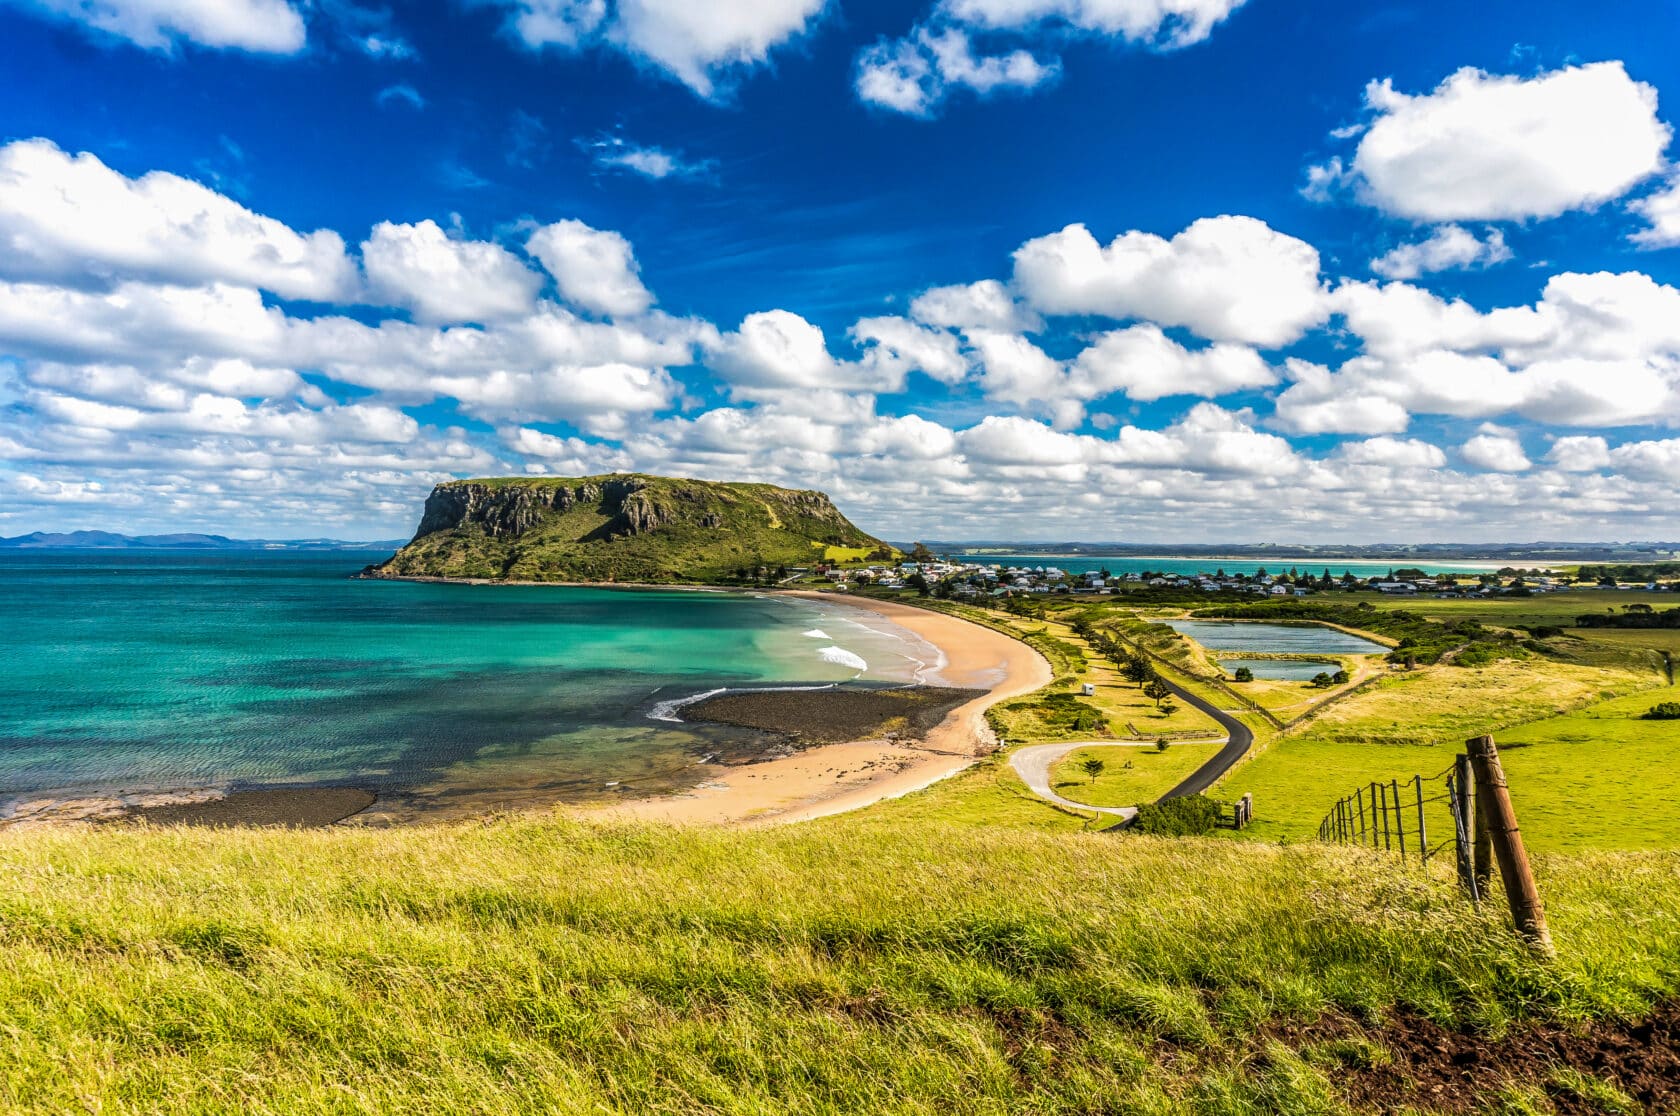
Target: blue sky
1041	269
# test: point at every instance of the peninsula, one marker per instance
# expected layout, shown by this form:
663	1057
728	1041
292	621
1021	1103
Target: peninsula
625	528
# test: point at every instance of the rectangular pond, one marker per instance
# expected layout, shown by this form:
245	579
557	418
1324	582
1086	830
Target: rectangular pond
1283	670
1290	639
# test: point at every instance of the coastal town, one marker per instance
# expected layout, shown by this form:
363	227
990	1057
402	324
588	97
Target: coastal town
963	580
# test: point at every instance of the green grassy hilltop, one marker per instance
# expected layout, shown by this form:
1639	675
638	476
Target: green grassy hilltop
884	962
625	527
968	948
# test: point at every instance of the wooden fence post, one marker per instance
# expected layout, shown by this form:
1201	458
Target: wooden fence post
1422	829
1499	818
1464	802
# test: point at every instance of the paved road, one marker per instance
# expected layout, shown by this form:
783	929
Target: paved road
1033	765
1236	746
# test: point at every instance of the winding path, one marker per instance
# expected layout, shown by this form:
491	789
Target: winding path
1034	763
1237	744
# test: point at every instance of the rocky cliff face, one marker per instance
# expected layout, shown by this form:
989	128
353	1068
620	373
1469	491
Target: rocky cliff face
635	505
508	511
621	528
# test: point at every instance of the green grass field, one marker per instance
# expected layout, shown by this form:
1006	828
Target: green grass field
1598	778
1553	609
1288	699
969	948
1131	775
1593	777
863	964
1651	639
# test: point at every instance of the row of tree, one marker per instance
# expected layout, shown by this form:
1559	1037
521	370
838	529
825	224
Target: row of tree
1134	666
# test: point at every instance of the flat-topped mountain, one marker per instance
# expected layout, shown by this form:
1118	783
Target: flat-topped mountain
624	527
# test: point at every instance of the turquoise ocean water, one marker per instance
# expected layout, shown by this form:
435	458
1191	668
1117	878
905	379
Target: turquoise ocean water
132	671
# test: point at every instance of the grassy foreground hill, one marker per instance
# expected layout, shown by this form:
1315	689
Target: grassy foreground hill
885	962
624	527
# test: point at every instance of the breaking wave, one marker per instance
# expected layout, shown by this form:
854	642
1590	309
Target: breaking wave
817	633
839	656
668	710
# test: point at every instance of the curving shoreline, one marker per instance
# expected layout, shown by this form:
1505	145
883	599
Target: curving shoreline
834	775
835	778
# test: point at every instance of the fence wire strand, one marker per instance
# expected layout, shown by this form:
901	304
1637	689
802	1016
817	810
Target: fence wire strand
1395	816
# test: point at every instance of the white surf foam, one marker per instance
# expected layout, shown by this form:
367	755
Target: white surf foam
817	633
839	656
668	710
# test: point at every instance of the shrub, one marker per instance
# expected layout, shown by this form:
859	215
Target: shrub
1243	675
1664	711
1190	816
1162	744
1322	681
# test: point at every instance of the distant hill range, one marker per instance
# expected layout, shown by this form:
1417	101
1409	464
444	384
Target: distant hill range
106	540
625	527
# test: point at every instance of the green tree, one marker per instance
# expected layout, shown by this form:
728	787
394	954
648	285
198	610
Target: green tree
1157	691
1092	768
920	553
1243	674
1162	744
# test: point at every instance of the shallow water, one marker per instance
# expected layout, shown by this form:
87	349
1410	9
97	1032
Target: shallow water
164	670
1285	670
1293	639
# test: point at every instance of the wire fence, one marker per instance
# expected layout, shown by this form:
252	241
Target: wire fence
1420	818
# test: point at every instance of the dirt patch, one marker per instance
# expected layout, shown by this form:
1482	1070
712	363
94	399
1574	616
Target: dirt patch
1413	1063
834	716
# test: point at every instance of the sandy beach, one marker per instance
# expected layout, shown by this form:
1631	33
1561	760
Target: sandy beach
833	778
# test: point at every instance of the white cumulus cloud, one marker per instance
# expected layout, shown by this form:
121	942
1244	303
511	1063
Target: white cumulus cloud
1226	278
915	74
1447	248
701	45
1392	453
1491	147
445	280
594	269
258	26
1579	453
64	216
1146	364
987	304
1164	24
1497	450
1661	211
